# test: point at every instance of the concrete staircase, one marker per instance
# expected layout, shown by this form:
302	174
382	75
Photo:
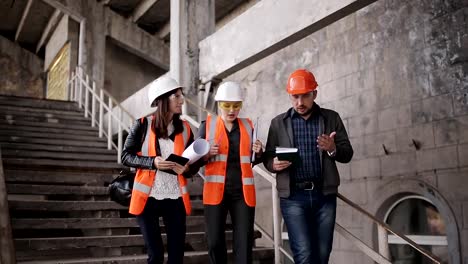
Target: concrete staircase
57	169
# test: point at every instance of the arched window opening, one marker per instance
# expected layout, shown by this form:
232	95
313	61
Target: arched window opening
417	218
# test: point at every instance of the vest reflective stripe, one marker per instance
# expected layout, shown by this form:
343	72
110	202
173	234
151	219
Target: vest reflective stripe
212	130
215	170
215	178
246	124
220	157
141	187
248	181
144	179
144	147
245	159
185	135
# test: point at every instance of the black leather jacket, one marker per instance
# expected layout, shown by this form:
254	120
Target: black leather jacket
133	145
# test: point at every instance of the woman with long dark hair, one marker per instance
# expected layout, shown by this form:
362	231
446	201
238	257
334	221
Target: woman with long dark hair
160	186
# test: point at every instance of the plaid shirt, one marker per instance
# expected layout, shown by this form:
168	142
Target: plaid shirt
305	139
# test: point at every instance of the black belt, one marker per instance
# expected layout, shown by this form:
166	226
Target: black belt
307	185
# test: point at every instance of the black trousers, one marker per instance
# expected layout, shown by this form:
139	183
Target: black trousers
242	217
173	213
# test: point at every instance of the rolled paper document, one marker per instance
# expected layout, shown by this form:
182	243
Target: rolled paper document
198	149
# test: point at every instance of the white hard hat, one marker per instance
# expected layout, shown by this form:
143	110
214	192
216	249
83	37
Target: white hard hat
229	91
161	86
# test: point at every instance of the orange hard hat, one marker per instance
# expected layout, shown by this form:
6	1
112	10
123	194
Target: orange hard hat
300	82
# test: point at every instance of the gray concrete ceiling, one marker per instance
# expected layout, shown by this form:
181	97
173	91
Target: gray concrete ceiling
26	28
10	13
157	17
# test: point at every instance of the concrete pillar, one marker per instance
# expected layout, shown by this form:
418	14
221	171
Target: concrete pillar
7	250
191	21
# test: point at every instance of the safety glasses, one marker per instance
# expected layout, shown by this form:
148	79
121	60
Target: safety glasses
178	97
236	106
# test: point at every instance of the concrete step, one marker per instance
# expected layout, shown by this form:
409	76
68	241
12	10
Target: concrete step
71	165
86	127
49	205
18	153
57	177
194	223
59	243
260	256
63	206
56	189
41	119
56	148
51	112
46	135
10	114
53	141
38	103
72	223
194	240
52	131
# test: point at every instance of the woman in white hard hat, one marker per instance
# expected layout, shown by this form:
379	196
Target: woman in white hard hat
229	180
156	192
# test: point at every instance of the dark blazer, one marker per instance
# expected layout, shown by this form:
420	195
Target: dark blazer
281	134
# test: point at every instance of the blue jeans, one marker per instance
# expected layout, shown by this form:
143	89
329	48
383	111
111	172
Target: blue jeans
310	219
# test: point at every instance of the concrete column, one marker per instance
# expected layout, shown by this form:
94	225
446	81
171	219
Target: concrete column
7	250
81	45
191	21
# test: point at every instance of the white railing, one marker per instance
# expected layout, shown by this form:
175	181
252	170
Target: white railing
83	90
381	256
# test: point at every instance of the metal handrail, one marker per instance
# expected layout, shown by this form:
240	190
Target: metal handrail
79	89
380	257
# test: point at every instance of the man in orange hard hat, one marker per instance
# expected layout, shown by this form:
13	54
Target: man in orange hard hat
308	187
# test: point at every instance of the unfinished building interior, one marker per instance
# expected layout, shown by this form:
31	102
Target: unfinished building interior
74	75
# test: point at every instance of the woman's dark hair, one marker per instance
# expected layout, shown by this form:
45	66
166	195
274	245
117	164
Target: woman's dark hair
163	117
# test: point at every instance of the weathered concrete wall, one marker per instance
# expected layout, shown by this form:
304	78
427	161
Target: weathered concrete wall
395	71
56	41
298	19
126	73
20	71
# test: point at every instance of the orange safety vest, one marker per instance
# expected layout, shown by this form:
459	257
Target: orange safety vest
215	170
144	178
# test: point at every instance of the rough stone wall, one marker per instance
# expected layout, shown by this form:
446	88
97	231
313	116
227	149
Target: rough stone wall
20	71
396	71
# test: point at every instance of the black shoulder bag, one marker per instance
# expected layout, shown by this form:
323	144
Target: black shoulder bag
120	189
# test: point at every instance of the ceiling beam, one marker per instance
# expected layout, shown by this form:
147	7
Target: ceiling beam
142	8
23	18
164	31
66	10
50	25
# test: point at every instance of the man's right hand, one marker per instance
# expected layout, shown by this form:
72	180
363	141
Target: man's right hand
279	165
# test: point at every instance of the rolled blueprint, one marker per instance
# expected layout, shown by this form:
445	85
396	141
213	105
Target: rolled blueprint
198	149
